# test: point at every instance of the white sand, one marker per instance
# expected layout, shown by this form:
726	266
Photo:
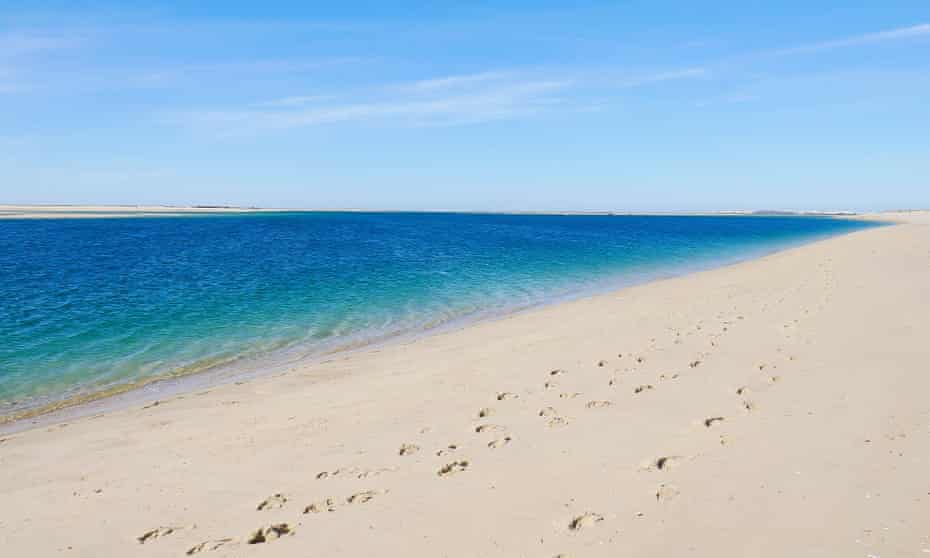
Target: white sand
90	211
787	400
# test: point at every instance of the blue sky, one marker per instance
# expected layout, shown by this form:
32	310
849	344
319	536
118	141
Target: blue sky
637	105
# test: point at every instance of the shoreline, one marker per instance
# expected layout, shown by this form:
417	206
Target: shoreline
242	368
51	211
773	407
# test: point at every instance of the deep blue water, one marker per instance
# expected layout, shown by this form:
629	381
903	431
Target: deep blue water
89	304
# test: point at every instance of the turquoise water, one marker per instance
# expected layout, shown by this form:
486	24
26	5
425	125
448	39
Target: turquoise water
88	305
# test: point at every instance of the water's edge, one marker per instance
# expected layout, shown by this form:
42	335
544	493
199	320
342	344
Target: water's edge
157	388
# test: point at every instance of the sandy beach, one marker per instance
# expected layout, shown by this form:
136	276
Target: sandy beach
9	211
778	407
13	211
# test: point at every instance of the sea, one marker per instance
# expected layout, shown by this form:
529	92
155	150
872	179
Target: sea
97	306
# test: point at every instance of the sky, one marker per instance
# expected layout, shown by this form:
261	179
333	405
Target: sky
625	105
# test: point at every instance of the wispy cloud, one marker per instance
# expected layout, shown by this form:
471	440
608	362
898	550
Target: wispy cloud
454	99
737	98
170	75
441	101
659	77
296	101
17	50
22	43
448	82
499	102
901	33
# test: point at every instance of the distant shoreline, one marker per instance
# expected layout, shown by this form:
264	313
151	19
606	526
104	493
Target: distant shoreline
52	211
91	211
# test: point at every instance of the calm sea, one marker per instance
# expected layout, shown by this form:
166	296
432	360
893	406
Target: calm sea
94	305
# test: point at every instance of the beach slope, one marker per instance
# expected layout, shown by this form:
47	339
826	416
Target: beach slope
777	407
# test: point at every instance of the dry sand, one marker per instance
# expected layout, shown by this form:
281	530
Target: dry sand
95	211
11	211
779	407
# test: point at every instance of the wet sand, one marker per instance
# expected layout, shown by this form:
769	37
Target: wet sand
775	407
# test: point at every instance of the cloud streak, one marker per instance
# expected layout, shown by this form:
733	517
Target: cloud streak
673	75
171	75
442	101
23	43
500	102
296	101
449	82
900	33
455	99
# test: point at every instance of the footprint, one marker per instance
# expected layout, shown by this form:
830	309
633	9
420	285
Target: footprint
208	546
489	428
598	404
374	472
364	497
749	406
569	395
327	505
270	533
557	372
485	412
667	463
708	422
642	388
452	468
666	492
585	520
550	385
664	463
447	450
499	443
548	412
602	363
694	363
272	502
503	396
156	533
408	449
556	422
355	471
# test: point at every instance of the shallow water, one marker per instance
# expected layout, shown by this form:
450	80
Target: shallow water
88	305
